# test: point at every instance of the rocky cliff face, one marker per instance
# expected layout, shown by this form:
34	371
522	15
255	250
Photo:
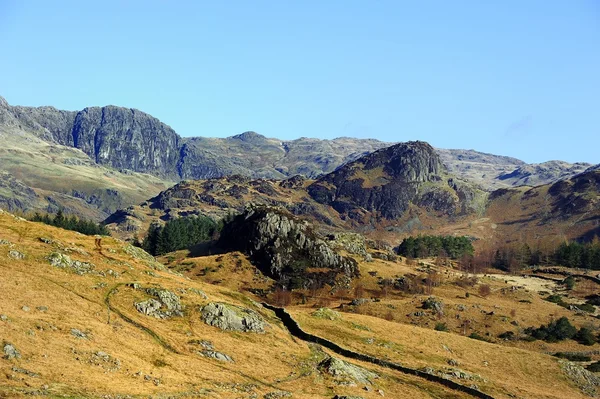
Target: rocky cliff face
387	181
287	249
127	139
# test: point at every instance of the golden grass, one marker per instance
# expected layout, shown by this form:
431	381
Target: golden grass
263	362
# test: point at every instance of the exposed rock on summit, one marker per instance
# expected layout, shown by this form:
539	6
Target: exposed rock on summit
387	181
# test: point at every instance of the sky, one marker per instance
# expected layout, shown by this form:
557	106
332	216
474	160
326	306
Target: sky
517	78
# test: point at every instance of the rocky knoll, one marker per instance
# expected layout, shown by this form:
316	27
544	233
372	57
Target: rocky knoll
388	181
286	248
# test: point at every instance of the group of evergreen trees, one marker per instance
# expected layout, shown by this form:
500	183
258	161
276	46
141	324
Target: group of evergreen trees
179	234
573	254
83	226
425	246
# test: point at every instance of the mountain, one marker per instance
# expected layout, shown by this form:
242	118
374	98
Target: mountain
386	195
94	161
386	182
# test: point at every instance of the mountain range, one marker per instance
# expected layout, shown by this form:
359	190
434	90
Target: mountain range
116	157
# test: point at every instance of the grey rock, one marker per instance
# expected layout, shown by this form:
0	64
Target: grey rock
346	372
452	362
360	301
232	318
434	304
5	242
3	317
24	371
150	307
10	352
78	333
327	314
216	355
14	254
25	308
198	292
60	260
277	395
42	308
164	305
347	397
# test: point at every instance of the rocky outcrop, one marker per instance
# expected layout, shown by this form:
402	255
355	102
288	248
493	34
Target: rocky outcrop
346	373
286	248
387	182
164	304
232	318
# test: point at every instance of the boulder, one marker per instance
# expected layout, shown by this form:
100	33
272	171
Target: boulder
345	372
164	304
10	352
232	318
14	254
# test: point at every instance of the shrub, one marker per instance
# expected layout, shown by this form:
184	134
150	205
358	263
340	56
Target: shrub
594	367
585	337
574	357
484	290
440	327
478	337
507	335
555	331
569	282
586	307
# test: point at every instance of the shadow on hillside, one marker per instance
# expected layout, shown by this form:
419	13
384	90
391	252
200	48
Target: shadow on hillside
206	248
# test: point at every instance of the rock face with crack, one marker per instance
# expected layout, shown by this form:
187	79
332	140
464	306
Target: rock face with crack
286	248
232	318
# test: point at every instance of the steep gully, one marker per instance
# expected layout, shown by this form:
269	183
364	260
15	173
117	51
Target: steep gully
297	332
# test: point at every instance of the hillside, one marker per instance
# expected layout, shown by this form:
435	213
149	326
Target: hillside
105	320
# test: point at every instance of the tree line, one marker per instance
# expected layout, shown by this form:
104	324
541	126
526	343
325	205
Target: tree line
180	233
428	246
72	222
569	254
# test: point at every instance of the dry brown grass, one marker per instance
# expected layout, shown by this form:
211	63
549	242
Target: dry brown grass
263	362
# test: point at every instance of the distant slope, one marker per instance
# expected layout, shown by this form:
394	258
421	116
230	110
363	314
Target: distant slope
496	171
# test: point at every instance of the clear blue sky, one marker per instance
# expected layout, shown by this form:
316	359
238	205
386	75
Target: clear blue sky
519	78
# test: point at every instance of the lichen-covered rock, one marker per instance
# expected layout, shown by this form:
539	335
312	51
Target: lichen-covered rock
354	243
10	352
588	382
164	305
216	355
78	333
326	313
57	259
434	304
346	373
286	248
14	254
232	318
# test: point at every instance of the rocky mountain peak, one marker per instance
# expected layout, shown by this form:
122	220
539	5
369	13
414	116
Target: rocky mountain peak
250	137
385	182
3	102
